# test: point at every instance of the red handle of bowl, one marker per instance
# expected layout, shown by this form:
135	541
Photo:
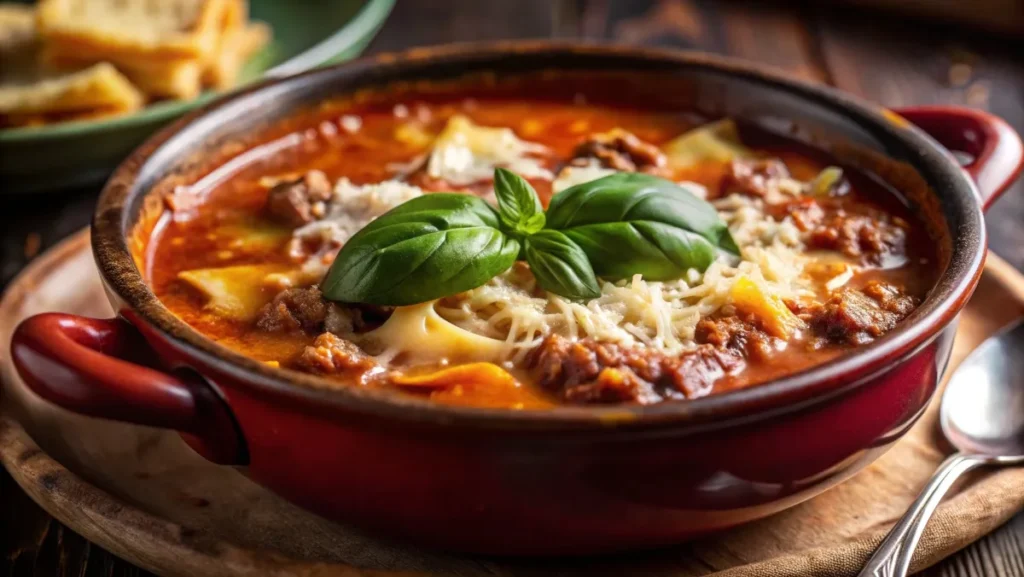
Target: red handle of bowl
993	150
80	364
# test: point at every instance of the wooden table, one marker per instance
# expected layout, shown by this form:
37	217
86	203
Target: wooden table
885	58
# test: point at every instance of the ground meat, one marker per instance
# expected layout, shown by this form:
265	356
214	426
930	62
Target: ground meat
587	371
890	298
296	202
857	317
805	212
734	333
293	309
611	385
867	236
330	354
753	176
696	372
623	151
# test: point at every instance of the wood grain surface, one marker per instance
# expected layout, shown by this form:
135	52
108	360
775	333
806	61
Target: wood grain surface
886	58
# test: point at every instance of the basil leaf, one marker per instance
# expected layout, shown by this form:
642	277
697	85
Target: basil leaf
560	266
426	248
518	204
634	223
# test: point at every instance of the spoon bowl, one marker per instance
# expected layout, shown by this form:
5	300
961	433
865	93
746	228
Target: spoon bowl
982	409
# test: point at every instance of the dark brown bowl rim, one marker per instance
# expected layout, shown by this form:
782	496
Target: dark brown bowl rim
793	392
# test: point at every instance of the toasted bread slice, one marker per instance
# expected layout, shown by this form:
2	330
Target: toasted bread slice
171	79
19	43
97	89
236	47
30	94
17	27
132	31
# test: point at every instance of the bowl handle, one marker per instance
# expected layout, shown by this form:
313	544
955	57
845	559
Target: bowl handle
78	363
993	150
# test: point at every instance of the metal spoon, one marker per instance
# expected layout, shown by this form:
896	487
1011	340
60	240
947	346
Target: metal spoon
982	415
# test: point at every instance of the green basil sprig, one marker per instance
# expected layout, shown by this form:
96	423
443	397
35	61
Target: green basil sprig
441	244
631	223
560	266
425	248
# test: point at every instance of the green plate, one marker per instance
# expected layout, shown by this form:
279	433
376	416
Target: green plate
307	33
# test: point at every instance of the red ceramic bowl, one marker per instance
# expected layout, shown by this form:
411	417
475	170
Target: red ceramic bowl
569	480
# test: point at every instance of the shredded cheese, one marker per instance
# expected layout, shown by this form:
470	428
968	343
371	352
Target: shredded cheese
351	208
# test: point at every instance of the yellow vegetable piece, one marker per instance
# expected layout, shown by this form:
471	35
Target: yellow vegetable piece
488	374
827	180
234	292
714	142
776	318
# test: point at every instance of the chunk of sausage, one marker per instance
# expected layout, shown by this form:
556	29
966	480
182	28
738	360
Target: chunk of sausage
753	176
867	236
805	212
297	202
890	298
623	151
590	372
858	317
294	309
734	333
333	355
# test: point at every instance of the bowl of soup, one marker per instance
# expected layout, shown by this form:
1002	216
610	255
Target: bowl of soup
534	298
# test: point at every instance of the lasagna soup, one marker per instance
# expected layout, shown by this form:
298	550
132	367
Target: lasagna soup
601	253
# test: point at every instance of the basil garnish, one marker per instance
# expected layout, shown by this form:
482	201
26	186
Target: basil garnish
426	248
560	266
631	223
518	204
614	227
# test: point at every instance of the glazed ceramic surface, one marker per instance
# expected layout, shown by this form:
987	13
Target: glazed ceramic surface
567	480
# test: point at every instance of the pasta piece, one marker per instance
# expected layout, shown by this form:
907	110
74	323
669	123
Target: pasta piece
233	292
465	152
488	374
714	142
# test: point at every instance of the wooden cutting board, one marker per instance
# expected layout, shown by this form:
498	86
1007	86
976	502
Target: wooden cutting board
143	495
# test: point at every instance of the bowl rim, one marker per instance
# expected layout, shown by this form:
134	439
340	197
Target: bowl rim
790	393
370	17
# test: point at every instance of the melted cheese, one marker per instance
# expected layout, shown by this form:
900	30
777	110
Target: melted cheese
465	153
419	334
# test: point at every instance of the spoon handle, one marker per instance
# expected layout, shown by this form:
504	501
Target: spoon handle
892	558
